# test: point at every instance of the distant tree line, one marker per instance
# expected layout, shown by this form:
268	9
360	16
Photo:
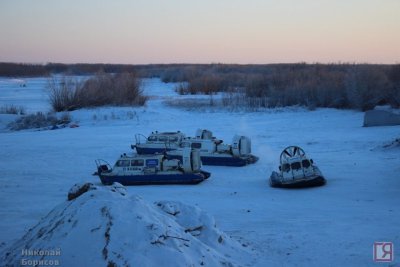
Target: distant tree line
32	70
20	69
355	86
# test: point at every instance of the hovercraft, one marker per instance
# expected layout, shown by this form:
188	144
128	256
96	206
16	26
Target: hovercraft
296	170
212	150
138	169
158	142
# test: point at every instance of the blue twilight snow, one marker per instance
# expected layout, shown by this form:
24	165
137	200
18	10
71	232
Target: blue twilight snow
330	225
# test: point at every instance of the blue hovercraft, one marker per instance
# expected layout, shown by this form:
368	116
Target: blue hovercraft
138	169
212	150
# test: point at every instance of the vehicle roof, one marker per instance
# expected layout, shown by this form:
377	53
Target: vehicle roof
137	156
167	133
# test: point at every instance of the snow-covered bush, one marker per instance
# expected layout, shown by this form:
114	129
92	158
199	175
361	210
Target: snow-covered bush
64	93
101	90
12	109
39	120
182	89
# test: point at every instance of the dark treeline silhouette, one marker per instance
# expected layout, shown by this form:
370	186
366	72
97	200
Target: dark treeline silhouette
31	70
20	69
356	86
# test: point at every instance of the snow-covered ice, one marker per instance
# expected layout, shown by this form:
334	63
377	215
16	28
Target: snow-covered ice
332	225
27	92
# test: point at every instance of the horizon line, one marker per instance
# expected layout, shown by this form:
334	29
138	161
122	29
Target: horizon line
210	63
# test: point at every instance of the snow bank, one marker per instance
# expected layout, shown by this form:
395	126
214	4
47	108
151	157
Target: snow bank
101	226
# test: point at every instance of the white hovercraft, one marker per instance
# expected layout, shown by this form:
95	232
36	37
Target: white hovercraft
212	151
296	170
153	169
158	142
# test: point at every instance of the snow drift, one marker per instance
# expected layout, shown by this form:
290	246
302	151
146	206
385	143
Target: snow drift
103	226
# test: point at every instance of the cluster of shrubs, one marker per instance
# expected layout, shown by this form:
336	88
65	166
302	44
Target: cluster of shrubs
102	89
39	120
12	109
355	86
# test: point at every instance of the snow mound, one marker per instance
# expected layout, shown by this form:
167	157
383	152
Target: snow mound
103	226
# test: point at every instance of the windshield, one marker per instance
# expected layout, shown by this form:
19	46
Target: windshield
162	138
285	167
196	145
137	162
185	144
305	163
295	165
152	138
173	138
122	163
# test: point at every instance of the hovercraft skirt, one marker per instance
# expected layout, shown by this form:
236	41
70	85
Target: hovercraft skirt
190	178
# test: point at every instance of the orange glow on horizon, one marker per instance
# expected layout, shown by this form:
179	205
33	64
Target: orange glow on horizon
141	32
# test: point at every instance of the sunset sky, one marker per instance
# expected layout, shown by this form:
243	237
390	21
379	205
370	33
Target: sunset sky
203	31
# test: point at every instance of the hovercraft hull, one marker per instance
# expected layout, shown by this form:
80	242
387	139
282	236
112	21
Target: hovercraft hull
229	161
151	150
223	161
159	179
316	180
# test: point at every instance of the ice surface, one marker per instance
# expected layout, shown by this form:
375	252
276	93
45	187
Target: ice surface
334	225
27	92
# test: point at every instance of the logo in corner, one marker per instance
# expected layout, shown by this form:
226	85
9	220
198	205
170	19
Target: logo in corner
383	251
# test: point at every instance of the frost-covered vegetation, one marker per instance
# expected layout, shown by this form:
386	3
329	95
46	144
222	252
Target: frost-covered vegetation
12	109
349	86
337	85
40	120
100	90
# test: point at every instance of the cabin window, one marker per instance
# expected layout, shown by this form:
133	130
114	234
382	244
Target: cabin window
286	167
151	162
305	163
163	138
173	138
122	163
196	145
295	166
185	144
152	138
137	162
